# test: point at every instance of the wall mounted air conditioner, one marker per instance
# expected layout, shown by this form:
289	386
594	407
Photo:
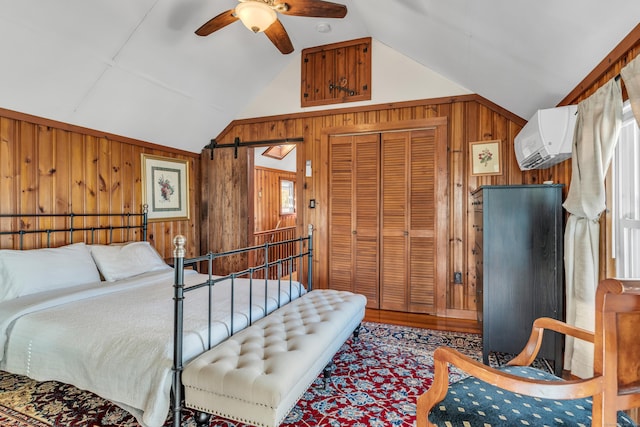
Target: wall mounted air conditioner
547	138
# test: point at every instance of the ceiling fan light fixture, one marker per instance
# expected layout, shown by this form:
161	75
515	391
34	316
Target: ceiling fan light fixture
255	15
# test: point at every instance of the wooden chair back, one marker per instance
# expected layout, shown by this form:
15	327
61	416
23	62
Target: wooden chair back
617	347
614	386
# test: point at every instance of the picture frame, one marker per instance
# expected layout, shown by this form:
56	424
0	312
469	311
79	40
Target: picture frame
486	157
165	188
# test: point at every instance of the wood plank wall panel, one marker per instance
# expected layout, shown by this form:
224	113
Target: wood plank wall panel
52	167
459	294
470	118
267	199
609	67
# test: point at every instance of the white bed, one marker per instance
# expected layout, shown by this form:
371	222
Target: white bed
115	338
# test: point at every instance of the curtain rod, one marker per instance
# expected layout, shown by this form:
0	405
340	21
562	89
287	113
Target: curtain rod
236	144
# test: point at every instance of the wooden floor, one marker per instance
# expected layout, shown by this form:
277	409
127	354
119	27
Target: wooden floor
421	321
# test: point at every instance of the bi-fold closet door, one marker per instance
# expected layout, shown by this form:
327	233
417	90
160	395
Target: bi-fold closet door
382	217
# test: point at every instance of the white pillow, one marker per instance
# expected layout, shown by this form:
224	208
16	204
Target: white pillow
119	261
36	270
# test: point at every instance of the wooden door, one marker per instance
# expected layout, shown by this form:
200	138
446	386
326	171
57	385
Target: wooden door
408	220
394	284
425	198
353	215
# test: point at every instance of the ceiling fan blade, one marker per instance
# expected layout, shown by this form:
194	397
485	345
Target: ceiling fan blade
312	8
279	37
214	24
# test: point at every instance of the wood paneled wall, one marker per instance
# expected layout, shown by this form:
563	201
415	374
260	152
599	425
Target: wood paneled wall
267	199
470	118
609	68
53	167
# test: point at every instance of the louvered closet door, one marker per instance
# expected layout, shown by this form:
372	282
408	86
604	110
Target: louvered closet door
394	286
423	196
408	221
353	215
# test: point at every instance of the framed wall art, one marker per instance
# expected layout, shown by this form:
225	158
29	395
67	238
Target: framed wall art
486	157
165	188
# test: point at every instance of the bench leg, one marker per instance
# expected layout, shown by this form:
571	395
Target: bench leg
326	374
202	419
356	332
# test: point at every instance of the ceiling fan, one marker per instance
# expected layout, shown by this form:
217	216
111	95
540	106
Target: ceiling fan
261	16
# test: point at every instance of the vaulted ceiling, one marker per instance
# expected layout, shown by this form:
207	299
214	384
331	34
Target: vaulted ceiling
135	67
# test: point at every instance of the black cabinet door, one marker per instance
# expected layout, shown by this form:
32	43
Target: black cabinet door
522	236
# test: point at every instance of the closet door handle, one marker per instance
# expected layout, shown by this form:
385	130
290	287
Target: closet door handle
354	232
406	233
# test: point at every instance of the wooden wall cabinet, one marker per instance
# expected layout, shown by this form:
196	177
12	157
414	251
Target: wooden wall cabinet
336	73
518	255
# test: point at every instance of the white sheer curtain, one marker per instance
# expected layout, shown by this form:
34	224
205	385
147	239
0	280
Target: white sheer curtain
597	129
631	77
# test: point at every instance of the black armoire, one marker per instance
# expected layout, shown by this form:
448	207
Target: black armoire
519	266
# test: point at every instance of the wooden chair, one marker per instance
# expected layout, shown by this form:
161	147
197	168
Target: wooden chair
614	387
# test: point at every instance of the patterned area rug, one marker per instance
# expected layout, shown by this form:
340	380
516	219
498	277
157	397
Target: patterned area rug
375	382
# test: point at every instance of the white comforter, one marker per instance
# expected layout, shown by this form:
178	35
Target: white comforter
116	339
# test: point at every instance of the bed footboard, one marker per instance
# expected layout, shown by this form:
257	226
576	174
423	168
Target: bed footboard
286	268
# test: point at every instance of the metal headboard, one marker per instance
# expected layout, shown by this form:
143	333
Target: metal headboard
131	221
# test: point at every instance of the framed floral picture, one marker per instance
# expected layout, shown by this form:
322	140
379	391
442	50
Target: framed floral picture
165	188
486	157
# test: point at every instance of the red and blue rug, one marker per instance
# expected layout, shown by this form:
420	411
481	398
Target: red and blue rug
375	383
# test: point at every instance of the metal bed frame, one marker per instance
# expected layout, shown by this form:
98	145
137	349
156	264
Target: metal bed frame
71	227
283	265
302	247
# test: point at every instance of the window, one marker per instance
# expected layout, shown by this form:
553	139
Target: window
278	152
626	198
287	197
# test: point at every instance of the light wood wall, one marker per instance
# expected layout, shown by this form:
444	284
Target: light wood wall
609	68
267	199
53	167
470	118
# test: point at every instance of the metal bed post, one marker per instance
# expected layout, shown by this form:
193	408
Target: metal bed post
310	259
178	260
145	217
71	217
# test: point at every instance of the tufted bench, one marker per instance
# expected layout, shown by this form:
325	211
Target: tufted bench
259	374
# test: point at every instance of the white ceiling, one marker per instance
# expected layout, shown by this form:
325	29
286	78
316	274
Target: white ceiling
135	67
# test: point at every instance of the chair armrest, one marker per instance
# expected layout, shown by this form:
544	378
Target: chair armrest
531	348
443	356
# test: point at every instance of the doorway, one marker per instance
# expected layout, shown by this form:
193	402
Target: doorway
273	215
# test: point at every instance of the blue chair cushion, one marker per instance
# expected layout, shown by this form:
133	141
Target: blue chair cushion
474	403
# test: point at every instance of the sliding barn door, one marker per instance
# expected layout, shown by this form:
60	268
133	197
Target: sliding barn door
353	215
